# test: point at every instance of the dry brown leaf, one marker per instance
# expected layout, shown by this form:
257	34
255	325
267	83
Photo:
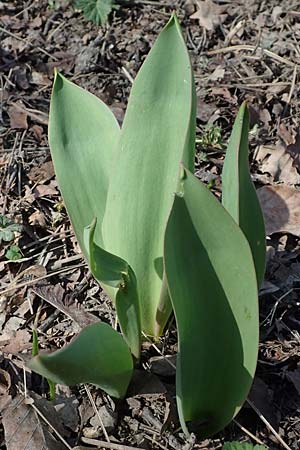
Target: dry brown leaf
281	208
42	173
209	14
36	22
24	430
17	117
205	110
5	381
18	343
38	132
36	271
37	219
225	93
279	163
218	74
34	114
13	44
285	134
5	384
54	295
43	190
293	149
40	78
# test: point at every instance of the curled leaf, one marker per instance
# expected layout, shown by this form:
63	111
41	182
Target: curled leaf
98	355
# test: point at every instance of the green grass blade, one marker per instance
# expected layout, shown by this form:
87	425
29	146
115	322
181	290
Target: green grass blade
83	135
35	343
238	192
99	355
158	132
35	352
113	272
212	283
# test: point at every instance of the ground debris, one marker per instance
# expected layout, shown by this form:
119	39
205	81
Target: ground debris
24	429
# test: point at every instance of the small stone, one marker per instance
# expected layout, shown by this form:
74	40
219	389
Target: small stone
109	419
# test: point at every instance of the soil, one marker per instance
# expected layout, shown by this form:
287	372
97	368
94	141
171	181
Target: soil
239	51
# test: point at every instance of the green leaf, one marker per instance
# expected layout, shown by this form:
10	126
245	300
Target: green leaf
242	446
158	132
112	271
238	192
35	343
83	136
35	352
212	283
13	253
99	355
8	229
96	10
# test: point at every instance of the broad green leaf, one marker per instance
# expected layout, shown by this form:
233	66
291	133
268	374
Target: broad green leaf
83	135
212	284
96	10
158	132
238	192
99	355
242	446
112	271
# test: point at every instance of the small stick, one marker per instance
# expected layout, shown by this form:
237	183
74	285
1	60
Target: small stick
234	30
292	86
127	74
251	435
158	351
237	48
97	412
268	425
30	401
110	445
28	43
50	425
36	280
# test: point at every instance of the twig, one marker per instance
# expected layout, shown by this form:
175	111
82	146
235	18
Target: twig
36	280
39	116
158	351
152	440
292	86
30	401
127	74
268	425
251	435
49	424
252	48
28	43
97	412
111	445
54	303
234	31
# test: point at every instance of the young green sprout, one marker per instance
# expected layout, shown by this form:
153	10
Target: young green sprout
157	240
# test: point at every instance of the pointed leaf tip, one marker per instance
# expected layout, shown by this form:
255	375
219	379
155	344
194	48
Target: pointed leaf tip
238	191
219	266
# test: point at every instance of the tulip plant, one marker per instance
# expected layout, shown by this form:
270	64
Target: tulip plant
158	241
